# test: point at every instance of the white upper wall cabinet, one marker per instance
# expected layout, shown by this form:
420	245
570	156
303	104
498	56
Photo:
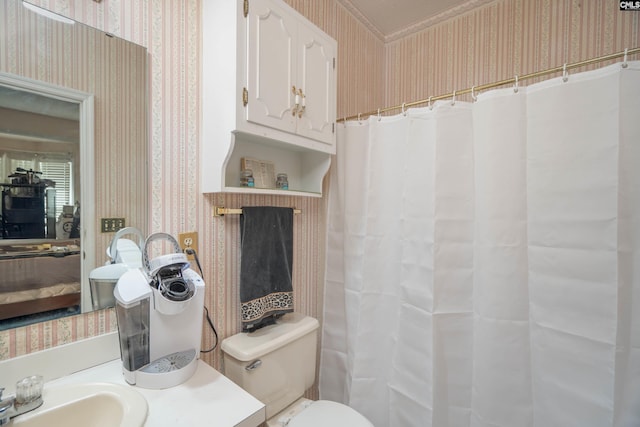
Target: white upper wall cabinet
269	93
291	73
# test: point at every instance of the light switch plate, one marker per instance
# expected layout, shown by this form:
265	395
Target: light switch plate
111	225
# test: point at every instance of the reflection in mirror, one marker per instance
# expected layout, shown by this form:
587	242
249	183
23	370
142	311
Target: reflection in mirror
67	92
39	155
43	138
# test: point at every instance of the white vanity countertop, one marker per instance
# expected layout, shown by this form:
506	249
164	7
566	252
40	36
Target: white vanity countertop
208	398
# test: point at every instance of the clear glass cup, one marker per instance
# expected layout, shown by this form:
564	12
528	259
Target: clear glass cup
246	178
282	181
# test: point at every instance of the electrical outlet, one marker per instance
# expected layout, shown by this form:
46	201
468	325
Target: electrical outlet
188	240
111	225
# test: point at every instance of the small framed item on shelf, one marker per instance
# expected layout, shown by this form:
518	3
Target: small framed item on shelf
264	175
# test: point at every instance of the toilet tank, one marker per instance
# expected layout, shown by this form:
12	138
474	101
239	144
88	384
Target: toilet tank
275	364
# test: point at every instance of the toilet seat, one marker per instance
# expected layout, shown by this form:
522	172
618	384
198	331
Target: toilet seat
323	413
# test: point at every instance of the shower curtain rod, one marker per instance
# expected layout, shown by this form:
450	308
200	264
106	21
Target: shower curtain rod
514	80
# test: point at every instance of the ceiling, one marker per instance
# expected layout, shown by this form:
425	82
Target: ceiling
38	104
37	117
392	19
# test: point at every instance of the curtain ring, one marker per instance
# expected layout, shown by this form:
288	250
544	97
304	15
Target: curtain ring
359	122
344	121
565	75
429	103
379	118
515	86
624	61
404	112
453	98
473	93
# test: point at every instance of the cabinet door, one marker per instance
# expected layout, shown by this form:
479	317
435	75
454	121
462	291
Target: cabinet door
316	77
271	65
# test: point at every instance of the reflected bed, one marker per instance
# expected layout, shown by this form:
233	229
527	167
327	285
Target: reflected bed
39	280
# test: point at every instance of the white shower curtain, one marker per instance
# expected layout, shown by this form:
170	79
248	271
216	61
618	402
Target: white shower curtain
483	260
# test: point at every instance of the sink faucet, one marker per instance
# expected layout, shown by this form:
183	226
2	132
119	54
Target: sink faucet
6	405
28	397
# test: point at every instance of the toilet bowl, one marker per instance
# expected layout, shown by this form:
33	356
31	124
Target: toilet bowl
318	413
277	364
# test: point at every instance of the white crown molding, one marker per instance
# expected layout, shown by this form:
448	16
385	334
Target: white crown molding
436	19
363	19
418	26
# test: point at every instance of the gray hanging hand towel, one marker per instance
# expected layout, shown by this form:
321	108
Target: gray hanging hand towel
266	251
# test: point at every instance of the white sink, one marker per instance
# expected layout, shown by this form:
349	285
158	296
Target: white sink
87	405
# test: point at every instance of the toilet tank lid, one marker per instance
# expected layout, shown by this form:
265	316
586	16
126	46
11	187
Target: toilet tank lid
250	346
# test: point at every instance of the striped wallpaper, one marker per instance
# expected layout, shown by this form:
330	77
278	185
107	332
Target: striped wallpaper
501	40
493	41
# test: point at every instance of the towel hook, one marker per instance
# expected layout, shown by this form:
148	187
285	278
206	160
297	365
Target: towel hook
565	75
515	86
473	93
404	112
453	98
624	61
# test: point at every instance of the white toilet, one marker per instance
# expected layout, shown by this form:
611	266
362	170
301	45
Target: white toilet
277	364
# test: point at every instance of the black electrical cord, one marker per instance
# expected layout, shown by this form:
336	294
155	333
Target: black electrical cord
214	332
191	251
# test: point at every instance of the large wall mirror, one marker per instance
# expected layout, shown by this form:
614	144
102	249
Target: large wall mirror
73	150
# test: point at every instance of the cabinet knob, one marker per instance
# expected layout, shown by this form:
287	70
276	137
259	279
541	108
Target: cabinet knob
303	103
299	102
296	101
